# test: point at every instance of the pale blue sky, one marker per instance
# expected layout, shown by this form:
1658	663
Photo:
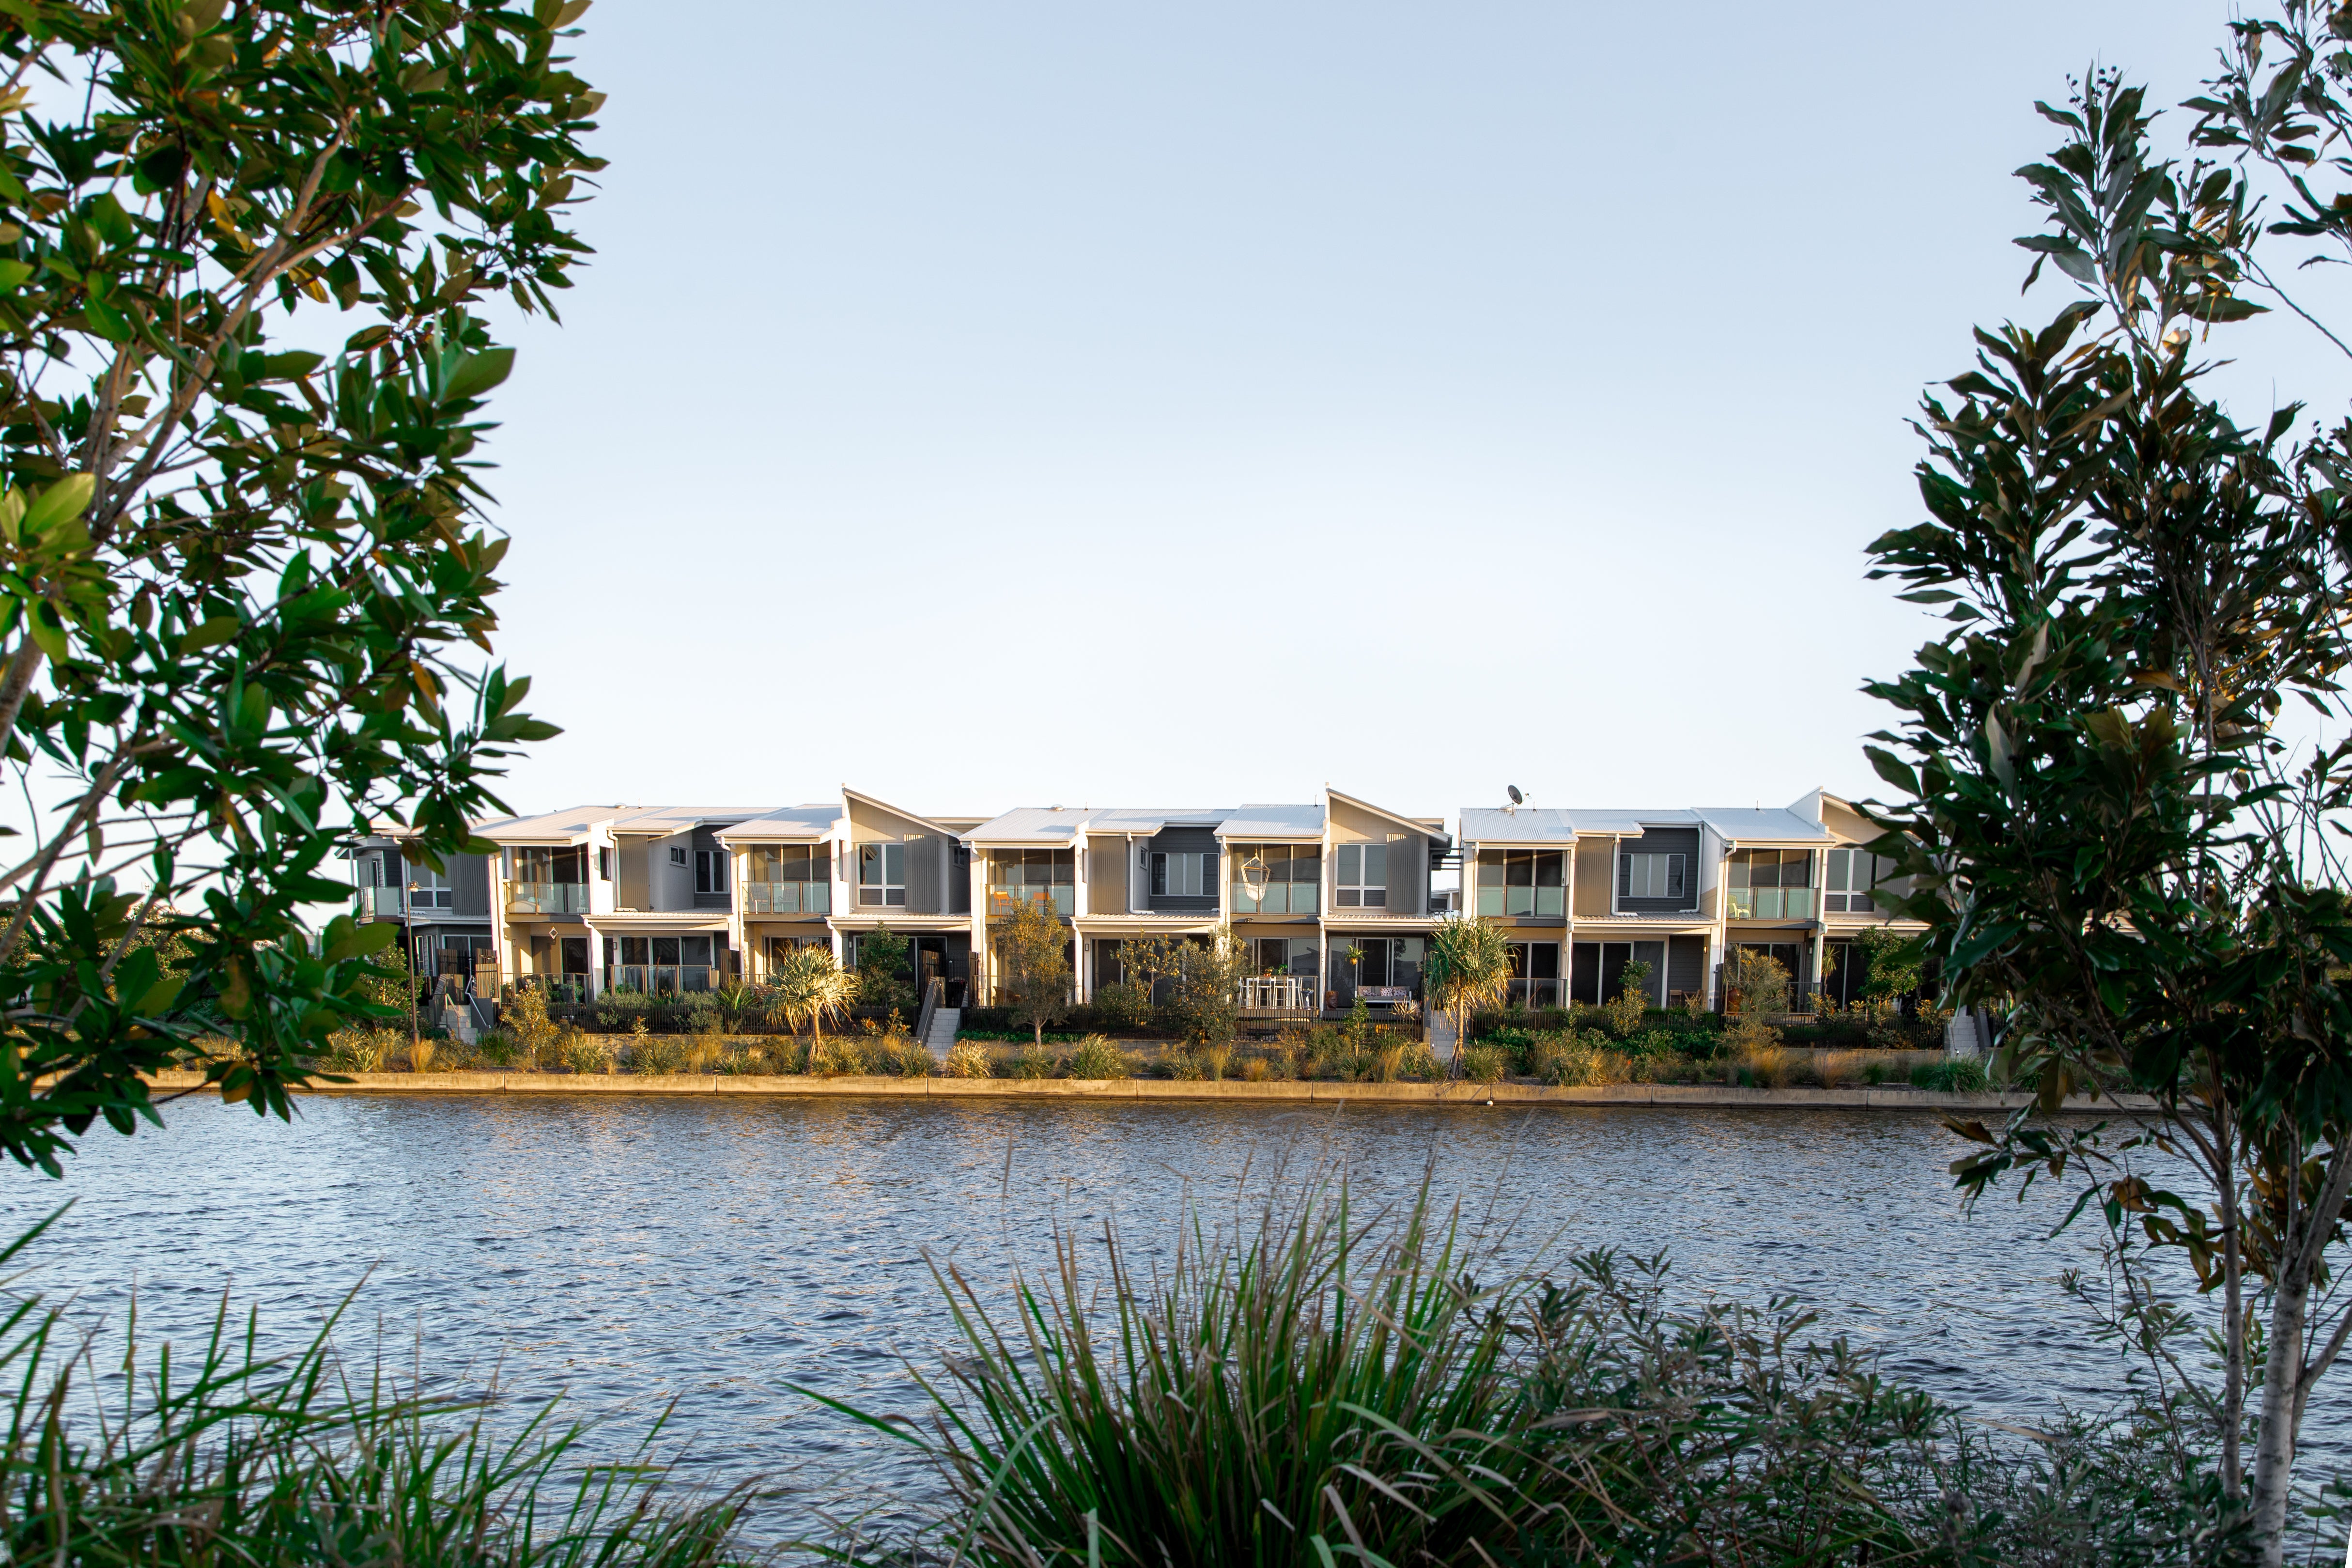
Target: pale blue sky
1032	404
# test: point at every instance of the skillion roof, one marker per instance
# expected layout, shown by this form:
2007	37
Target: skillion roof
572	825
792	823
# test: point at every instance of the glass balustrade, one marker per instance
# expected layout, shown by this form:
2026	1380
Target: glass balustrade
1771	903
787	897
380	900
1279	899
547	898
1057	899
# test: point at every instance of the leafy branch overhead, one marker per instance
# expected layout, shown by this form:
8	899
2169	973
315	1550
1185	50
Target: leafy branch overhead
238	563
2117	842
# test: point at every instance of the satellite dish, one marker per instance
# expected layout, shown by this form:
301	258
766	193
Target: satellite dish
1513	791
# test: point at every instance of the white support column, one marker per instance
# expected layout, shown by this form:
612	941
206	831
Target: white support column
595	960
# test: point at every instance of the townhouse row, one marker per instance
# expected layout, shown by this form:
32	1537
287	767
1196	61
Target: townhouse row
1335	897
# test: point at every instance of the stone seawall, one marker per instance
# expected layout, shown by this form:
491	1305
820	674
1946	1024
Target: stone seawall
1883	1098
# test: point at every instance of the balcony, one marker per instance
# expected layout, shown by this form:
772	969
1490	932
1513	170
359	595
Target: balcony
1279	898
1059	899
547	898
1522	900
1771	903
381	903
787	897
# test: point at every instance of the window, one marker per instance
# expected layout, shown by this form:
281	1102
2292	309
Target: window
1294	873
1522	882
371	871
1652	876
678	854
430	890
882	876
1363	877
1771	884
1184	874
710	871
1850	876
1047	878
789	879
605	863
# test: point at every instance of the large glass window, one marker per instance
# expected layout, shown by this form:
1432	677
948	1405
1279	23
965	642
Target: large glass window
1363	877
1771	884
1522	882
882	876
1850	878
789	879
1183	873
1047	878
710	871
1292	874
1642	876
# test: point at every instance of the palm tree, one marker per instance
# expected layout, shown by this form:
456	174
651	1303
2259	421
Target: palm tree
812	988
1469	966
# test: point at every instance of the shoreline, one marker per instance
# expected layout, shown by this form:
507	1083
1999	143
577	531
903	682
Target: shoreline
1885	1097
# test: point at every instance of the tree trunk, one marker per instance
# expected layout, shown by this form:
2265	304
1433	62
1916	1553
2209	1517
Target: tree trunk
2274	1443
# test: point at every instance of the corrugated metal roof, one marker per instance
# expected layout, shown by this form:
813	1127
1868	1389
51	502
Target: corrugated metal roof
1046	825
1274	822
1029	825
1528	824
1773	825
574	821
791	822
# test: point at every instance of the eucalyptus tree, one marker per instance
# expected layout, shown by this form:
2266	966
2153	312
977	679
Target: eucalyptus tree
2118	831
245	253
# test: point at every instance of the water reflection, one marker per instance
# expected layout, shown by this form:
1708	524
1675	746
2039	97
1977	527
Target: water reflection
710	1252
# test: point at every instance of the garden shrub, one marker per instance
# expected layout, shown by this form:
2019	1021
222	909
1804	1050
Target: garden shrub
967	1060
1096	1057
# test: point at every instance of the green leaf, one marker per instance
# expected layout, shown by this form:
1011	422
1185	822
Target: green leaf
69	497
478	374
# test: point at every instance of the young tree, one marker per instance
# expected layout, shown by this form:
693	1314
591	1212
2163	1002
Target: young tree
1468	967
1033	956
236	569
811	986
2113	833
882	971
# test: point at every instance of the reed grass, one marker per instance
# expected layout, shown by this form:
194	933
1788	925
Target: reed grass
226	1458
1324	1386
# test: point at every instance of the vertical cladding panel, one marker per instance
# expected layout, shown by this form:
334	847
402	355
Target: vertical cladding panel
923	874
1682	841
1686	964
1596	876
1187	841
635	888
469	878
1107	873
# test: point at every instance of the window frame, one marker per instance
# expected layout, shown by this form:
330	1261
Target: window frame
1201	863
710	871
1677	877
887	894
1357	893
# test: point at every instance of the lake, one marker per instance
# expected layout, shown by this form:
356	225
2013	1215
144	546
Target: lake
708	1251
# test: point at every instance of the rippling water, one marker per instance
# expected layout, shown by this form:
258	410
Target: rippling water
635	1252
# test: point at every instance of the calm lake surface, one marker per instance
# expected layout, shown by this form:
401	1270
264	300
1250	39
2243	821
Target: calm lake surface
636	1252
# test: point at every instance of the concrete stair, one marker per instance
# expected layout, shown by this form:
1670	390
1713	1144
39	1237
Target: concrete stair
945	1021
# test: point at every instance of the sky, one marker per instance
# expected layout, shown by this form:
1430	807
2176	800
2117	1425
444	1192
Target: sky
1043	404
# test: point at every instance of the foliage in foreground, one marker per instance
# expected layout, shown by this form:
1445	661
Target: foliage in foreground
1324	1387
2115	834
236	575
231	1458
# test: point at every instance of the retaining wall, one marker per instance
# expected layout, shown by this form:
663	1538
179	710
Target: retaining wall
1885	1097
